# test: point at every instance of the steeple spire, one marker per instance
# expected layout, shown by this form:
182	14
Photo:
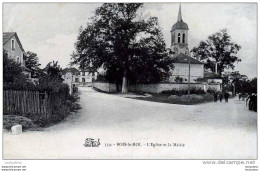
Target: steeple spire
179	15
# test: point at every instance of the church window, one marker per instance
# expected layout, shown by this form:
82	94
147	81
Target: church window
183	38
179	38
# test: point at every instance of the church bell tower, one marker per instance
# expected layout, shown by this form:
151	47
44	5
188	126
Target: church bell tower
179	36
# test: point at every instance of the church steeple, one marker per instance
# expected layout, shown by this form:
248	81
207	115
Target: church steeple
179	33
179	15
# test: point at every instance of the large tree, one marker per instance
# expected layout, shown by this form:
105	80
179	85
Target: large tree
120	40
32	62
239	83
218	50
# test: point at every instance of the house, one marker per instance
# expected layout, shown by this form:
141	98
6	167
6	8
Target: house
182	58
73	76
14	49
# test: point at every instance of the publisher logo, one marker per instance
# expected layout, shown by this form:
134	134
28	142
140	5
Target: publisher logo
90	142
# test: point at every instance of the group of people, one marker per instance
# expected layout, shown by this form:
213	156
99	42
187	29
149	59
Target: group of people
220	96
242	96
251	99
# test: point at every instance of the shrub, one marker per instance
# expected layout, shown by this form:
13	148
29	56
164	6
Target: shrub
11	120
184	92
59	113
178	79
36	118
194	98
212	91
63	110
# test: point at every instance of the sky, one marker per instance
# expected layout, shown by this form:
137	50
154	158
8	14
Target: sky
51	29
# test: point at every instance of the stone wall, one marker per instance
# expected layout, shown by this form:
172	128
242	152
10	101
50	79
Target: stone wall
107	87
155	88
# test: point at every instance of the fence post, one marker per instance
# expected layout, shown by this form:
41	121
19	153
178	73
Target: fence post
4	107
45	105
37	102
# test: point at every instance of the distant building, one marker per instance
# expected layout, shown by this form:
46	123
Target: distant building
73	76
179	45
14	49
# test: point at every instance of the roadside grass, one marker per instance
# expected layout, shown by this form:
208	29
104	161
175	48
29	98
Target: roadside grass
98	90
175	99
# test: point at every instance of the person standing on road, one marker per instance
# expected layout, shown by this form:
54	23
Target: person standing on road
239	96
220	96
252	104
249	99
226	96
215	97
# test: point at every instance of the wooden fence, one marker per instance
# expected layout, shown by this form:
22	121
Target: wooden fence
33	102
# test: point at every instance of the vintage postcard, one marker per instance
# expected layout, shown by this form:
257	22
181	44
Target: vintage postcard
130	81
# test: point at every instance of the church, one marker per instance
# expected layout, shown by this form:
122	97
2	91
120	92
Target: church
179	46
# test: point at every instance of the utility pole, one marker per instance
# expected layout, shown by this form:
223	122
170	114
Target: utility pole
216	68
189	81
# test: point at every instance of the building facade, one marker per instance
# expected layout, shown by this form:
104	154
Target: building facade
15	51
73	76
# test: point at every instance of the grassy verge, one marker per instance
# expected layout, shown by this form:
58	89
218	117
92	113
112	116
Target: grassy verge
179	99
101	91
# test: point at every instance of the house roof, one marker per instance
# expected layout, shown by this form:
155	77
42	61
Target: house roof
182	58
9	35
73	70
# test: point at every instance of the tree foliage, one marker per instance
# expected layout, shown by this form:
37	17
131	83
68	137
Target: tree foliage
53	70
241	82
32	62
123	43
13	76
219	49
11	69
51	80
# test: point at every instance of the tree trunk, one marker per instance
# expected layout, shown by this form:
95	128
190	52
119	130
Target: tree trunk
124	85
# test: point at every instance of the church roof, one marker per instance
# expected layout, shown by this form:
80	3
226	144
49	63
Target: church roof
180	24
182	58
